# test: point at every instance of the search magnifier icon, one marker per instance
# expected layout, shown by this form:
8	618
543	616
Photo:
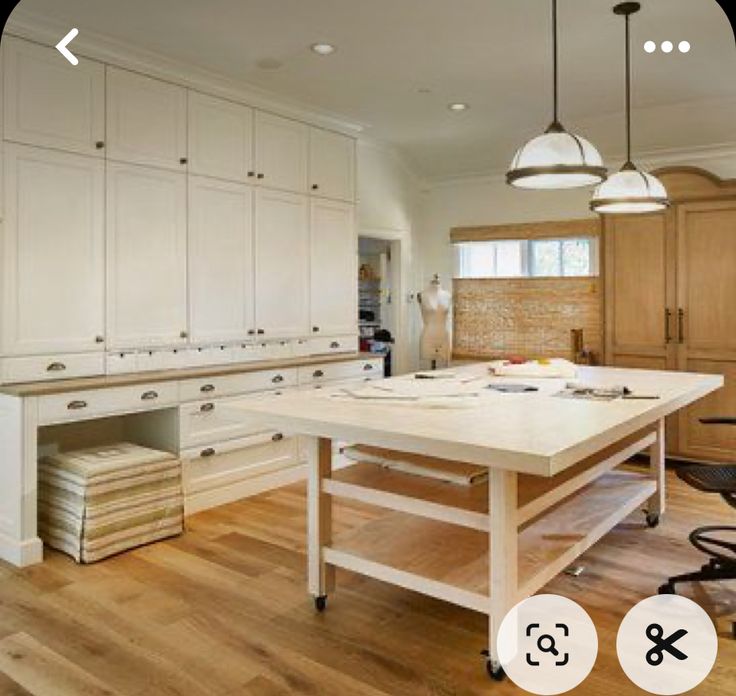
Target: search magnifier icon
548	646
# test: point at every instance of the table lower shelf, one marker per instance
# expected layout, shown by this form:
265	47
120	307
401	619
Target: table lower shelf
451	562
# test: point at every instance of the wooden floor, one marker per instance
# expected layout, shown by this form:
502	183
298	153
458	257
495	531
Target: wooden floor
223	610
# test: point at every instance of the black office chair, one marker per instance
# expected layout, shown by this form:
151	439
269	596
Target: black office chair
711	479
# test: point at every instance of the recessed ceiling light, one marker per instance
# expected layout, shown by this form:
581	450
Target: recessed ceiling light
458	106
324	49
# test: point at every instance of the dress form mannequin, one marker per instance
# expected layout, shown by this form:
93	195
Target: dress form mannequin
435	340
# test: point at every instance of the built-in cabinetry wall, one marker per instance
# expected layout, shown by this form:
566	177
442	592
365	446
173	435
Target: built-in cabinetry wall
149	225
670	282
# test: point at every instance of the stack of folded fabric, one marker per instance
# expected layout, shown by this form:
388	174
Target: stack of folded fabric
96	502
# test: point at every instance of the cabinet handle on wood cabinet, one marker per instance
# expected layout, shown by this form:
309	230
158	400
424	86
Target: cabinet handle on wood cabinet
251	332
183	160
315	329
56	367
277	379
681	325
208	452
183	334
277	436
207	388
251	173
260	332
100	144
99	339
334	344
149	395
667	316
367	367
204	408
76	405
259	175
315	187
318	373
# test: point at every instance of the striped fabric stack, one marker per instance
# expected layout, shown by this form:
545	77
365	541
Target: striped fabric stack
97	502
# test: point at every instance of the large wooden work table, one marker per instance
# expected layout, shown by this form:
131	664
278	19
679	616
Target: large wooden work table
554	486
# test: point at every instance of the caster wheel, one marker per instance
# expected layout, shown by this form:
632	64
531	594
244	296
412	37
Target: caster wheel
652	520
496	674
667	588
320	603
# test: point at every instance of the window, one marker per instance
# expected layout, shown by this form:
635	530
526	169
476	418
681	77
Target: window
537	258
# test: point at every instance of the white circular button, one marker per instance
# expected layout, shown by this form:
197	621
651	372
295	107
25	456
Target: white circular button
650	46
683	46
666	644
547	644
667	46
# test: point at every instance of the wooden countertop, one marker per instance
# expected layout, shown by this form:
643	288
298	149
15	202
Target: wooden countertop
102	381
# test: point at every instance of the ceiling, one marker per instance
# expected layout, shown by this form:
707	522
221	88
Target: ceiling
400	62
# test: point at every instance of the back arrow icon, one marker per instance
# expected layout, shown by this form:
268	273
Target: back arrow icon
62	47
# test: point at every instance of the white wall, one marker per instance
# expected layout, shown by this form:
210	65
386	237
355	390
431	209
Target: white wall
389	205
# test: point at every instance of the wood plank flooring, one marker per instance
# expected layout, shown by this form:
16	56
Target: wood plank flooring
223	610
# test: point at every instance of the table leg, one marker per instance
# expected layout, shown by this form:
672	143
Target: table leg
321	577
656	504
502	554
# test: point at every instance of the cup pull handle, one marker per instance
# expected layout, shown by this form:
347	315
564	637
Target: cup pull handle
204	408
318	373
149	395
276	437
206	388
207	452
76	405
334	344
277	379
56	367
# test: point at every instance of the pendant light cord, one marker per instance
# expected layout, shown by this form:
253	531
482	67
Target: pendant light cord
628	93
555	119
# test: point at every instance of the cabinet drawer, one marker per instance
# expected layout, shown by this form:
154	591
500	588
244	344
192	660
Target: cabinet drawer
324	345
44	367
95	403
229	385
328	372
225	464
205	422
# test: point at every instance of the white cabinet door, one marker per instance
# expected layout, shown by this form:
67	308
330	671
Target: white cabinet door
331	165
281	150
146	256
333	268
220	260
281	264
53	252
220	138
50	102
146	120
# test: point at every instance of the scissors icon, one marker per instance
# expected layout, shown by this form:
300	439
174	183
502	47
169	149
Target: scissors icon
655	656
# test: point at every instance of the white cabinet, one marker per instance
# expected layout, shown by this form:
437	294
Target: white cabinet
333	259
146	120
53	252
331	165
146	256
281	150
220	259
220	138
49	102
281	264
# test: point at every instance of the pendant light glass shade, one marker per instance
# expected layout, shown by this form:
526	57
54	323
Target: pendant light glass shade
629	190
556	159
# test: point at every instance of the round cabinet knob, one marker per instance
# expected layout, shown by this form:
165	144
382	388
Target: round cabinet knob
99	339
183	160
100	144
315	329
183	334
315	187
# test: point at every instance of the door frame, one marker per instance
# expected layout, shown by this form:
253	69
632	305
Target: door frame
399	280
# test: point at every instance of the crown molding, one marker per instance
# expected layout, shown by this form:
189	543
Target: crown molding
651	159
95	46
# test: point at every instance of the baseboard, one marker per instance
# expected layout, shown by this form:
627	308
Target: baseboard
21	553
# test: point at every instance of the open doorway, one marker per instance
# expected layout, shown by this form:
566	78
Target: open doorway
379	280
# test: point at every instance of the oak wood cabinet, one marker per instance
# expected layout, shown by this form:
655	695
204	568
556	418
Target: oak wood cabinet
220	260
53	252
146	256
50	103
331	165
333	246
146	120
281	254
670	282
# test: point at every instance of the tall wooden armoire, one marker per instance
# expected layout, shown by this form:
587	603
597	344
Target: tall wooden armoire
670	299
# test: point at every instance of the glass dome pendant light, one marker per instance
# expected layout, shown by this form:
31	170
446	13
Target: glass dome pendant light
556	159
630	190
